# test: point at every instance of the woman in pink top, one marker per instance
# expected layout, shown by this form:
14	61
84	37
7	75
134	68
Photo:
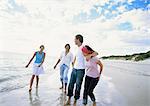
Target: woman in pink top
92	74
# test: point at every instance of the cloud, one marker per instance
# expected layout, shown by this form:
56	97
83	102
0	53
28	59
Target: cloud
51	22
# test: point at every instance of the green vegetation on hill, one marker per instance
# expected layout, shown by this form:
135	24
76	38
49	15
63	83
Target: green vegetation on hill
134	57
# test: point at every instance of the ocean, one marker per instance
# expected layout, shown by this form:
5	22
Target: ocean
112	90
13	74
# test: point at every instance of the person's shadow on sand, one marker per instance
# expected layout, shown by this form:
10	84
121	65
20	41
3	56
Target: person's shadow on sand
34	101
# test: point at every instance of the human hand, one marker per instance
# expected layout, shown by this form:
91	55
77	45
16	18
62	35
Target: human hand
27	66
55	66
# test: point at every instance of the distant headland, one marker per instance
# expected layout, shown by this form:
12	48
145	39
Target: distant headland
133	57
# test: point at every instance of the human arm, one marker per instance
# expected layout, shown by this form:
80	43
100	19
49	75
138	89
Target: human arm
74	61
94	54
30	60
101	67
57	63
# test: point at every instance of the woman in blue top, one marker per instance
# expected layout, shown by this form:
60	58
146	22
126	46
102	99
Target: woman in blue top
37	66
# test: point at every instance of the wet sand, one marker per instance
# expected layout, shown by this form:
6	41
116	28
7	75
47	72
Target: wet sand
48	94
134	87
115	88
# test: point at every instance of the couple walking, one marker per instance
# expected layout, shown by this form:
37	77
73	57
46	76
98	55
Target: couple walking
85	59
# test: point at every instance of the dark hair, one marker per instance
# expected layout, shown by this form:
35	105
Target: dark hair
80	37
67	45
89	48
42	46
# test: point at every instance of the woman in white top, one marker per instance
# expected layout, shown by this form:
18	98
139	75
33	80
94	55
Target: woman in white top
65	60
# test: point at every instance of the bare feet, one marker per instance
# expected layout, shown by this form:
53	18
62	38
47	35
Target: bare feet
68	101
75	101
94	103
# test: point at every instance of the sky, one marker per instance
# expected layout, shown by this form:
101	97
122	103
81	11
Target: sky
110	27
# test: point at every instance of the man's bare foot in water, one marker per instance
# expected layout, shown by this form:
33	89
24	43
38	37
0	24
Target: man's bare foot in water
75	101
68	101
94	103
30	89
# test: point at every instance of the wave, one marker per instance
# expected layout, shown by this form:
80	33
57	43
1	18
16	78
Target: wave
9	78
10	88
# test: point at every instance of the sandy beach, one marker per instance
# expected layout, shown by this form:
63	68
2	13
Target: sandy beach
133	86
117	87
54	33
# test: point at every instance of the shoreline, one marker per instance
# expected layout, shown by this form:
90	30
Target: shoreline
117	87
133	86
148	59
49	94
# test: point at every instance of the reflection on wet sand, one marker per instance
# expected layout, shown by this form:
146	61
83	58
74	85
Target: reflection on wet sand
63	99
34	100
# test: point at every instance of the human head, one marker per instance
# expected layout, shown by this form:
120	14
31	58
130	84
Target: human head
42	47
78	40
86	50
67	47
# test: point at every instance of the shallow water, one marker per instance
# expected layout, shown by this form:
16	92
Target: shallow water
14	76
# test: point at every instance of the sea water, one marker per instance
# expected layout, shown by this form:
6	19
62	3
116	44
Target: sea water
13	74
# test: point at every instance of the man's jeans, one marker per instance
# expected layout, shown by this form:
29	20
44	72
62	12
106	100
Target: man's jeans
76	77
